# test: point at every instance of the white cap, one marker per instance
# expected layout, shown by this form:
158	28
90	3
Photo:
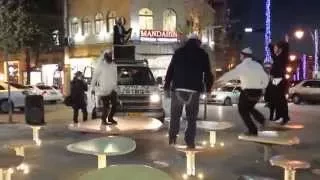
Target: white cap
247	51
193	36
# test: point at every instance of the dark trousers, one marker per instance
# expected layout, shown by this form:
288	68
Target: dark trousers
76	113
106	100
191	102
281	103
247	101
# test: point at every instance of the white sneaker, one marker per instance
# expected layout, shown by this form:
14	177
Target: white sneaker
279	121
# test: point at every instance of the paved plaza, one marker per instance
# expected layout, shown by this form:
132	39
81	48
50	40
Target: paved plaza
52	161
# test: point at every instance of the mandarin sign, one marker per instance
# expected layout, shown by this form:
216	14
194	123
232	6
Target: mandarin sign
158	35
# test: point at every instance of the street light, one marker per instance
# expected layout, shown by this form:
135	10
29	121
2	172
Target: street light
287	76
299	34
289	69
248	30
292	57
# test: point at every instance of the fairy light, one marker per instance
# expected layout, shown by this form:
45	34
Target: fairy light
298	74
304	67
316	43
267	35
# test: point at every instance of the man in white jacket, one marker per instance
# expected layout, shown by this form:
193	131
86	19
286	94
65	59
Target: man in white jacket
104	85
253	80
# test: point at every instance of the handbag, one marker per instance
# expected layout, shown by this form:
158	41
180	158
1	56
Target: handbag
68	101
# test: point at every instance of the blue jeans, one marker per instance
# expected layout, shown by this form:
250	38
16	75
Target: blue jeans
191	102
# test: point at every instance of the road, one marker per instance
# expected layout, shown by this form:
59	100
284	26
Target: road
52	162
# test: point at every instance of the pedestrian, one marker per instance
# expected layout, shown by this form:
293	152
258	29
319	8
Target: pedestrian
270	100
253	80
280	56
188	71
78	97
104	86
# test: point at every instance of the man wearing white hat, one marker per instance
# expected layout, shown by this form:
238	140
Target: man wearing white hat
253	80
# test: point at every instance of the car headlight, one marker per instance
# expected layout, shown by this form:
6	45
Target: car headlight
155	98
203	96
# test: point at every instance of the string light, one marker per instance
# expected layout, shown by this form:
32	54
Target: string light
316	41
304	66
267	35
298	74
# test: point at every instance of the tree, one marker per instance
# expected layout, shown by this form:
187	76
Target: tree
15	29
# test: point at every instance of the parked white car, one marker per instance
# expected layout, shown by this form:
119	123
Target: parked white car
18	94
305	91
49	93
227	95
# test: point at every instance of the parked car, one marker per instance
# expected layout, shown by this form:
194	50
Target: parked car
18	94
49	93
227	95
305	91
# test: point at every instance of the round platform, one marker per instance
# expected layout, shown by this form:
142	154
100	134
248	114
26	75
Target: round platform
289	162
125	172
271	137
214	125
110	146
125	125
19	143
183	148
287	127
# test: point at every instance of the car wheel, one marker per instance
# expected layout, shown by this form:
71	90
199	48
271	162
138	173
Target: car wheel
5	107
227	102
296	99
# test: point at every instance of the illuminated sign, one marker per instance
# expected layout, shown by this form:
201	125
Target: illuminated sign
156	35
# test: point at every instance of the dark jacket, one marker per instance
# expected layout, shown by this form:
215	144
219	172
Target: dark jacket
78	95
188	69
280	62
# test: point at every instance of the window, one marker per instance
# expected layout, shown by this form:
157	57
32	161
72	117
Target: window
74	26
169	20
312	84
86	26
227	89
145	19
98	21
135	76
111	21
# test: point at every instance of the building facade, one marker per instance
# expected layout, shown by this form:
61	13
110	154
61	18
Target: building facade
158	28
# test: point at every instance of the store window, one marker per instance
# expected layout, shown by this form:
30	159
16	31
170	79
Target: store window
146	19
74	26
98	20
111	18
169	20
86	26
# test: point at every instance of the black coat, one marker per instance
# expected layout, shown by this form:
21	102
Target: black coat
280	62
78	95
188	68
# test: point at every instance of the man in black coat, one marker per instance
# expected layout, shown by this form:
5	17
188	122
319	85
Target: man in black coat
188	73
78	97
121	35
280	56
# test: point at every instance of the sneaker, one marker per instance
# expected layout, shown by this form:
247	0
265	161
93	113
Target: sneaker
172	140
106	123
112	121
251	133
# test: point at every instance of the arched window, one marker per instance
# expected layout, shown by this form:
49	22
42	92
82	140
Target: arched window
169	20
86	26
111	18
74	29
98	21
146	19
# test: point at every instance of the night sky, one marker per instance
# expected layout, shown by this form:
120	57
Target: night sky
287	15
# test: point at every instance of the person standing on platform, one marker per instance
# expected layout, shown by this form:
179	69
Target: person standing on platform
253	80
187	72
78	97
280	56
104	85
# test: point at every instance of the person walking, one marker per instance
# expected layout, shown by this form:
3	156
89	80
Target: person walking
78	97
253	80
188	69
280	56
104	85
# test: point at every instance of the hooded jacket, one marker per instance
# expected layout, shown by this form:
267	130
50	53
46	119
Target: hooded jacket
188	69
104	79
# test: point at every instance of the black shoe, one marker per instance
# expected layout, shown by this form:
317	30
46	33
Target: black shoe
251	133
191	146
106	123
112	121
172	140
